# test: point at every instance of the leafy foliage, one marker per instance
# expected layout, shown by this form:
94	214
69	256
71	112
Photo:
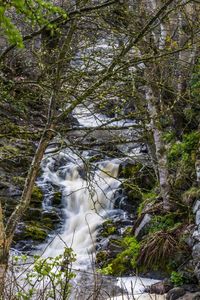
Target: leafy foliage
184	150
177	278
165	222
34	12
49	277
126	259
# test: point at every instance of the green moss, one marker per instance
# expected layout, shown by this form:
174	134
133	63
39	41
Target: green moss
37	195
184	150
47	223
147	198
166	222
108	228
101	257
19	181
176	278
8	151
133	191
191	195
130	170
35	232
57	198
126	260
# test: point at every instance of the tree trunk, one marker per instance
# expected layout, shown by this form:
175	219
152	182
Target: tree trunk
6	233
3	254
163	173
29	183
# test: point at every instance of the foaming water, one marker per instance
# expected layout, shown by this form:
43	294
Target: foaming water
87	197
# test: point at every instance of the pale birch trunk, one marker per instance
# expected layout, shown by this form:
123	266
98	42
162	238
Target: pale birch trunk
3	254
197	165
161	155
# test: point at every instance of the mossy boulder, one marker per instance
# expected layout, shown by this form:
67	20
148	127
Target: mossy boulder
48	223
148	201
19	181
129	198
36	197
132	191
33	214
141	175
108	228
101	258
51	214
191	195
56	200
125	259
35	231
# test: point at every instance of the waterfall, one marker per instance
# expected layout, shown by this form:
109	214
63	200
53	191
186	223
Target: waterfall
87	197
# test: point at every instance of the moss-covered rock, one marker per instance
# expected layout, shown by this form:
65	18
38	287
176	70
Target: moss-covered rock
132	191
125	261
191	195
35	231
148	201
101	258
57	196
108	228
141	175
48	223
19	181
33	213
36	197
53	215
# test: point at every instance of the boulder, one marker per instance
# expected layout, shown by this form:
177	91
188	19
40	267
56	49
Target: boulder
143	225
159	288
175	293
190	296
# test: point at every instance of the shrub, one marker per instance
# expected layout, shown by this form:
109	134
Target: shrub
47	278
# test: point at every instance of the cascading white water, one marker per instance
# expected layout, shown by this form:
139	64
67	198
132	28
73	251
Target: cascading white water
86	199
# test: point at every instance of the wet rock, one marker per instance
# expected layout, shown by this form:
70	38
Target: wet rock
36	197
143	225
159	288
196	206
35	231
193	288
102	244
98	287
141	175
14	191
53	215
33	213
56	199
4	185
197	219
196	236
190	296
188	274
197	270
196	252
175	293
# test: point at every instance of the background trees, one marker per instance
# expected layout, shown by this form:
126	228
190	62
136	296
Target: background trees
141	56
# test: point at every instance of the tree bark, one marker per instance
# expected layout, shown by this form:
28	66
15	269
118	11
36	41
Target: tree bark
163	173
3	254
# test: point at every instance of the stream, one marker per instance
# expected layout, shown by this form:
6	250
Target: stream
88	197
